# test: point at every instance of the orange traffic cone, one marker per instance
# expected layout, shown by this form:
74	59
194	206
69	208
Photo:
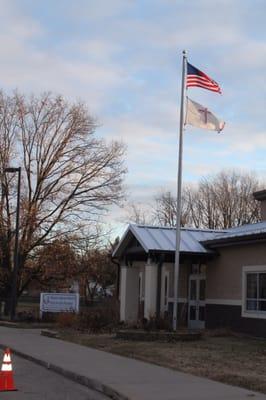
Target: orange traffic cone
6	374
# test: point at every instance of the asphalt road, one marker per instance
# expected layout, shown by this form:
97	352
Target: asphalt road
38	383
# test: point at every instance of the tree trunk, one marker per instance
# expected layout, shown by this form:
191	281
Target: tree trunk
7	306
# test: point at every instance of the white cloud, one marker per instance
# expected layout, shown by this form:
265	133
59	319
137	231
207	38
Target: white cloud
124	59
98	9
96	49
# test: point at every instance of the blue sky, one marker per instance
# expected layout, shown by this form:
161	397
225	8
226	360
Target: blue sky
123	59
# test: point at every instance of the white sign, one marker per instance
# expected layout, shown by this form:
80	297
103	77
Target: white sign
59	302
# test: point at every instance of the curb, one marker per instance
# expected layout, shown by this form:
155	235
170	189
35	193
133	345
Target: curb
83	380
15	325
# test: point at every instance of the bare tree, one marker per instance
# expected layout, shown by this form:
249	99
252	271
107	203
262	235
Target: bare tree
165	207
224	200
219	201
139	214
69	176
202	208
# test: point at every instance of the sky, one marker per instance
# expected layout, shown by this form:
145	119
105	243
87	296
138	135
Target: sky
123	59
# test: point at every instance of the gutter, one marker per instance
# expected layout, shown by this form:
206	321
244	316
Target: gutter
235	240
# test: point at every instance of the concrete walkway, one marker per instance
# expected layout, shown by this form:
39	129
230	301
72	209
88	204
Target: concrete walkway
120	377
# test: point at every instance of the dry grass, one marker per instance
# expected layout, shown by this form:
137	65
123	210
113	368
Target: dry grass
238	361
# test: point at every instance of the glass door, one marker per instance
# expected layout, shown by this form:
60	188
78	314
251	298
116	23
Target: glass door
196	303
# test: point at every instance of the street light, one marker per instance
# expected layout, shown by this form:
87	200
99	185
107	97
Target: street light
16	260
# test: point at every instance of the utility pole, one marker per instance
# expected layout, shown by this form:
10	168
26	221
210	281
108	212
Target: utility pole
13	302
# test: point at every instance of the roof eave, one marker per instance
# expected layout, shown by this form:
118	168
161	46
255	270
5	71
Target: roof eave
120	243
260	195
131	229
251	238
196	253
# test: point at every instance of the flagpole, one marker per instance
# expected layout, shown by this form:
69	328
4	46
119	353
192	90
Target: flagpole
179	189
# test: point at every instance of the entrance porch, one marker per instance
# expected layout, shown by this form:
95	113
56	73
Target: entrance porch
147	290
146	256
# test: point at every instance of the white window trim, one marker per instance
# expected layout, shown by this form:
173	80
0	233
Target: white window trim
180	300
224	302
249	313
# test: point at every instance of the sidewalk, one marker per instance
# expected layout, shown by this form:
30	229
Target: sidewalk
120	377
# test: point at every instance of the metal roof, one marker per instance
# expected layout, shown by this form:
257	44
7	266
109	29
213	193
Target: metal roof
240	231
153	238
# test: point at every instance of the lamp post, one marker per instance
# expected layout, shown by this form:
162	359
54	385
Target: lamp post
16	255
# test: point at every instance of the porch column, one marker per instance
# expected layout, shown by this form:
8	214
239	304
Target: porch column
151	272
129	293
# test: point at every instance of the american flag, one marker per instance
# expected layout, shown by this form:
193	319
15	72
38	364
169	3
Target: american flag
195	77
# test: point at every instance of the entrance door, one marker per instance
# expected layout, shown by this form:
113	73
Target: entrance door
196	303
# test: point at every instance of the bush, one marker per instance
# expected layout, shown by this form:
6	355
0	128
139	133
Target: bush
27	316
100	318
67	320
49	317
157	323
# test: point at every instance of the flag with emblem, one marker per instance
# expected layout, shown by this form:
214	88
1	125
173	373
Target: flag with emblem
201	117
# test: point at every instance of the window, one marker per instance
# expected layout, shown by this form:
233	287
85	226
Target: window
198	269
254	285
256	291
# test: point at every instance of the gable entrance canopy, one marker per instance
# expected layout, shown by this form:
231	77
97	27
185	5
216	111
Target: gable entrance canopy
139	241
146	255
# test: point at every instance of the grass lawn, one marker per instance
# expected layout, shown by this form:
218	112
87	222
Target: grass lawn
239	361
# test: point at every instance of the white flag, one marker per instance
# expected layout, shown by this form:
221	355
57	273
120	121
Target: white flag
201	117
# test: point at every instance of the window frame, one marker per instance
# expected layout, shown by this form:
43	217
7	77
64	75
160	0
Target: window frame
254	269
